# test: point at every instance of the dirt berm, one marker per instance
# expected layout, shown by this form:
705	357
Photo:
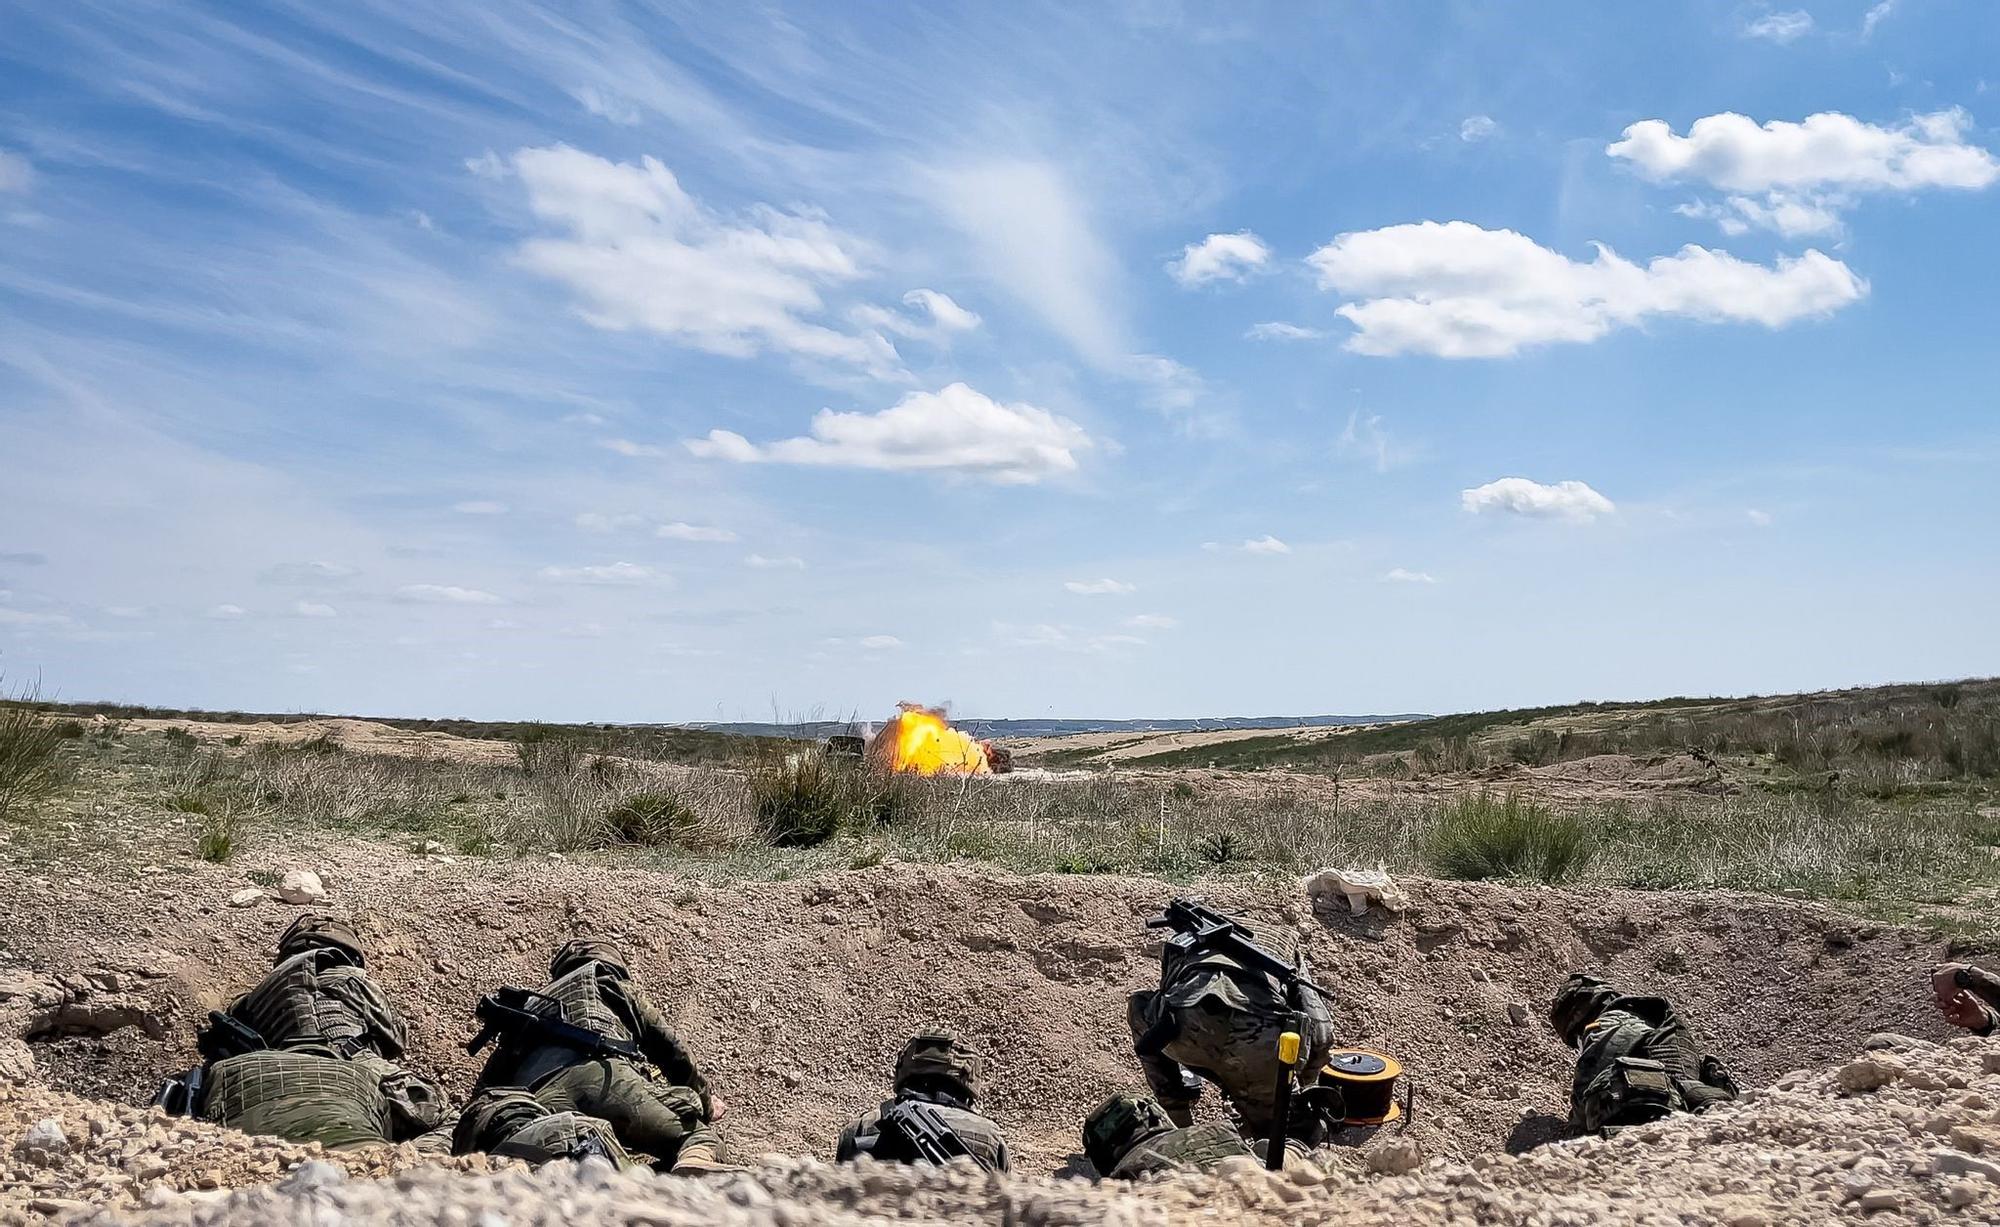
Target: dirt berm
795	994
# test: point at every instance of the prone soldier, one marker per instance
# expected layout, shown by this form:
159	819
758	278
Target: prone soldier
1129	1136
932	1118
1636	1061
591	1042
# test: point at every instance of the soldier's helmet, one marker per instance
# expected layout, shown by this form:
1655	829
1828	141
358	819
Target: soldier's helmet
1578	1002
936	1061
311	932
1121	1122
576	952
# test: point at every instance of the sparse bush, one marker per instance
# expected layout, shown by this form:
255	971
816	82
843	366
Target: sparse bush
69	730
30	764
648	818
1182	790
1478	838
215	838
179	740
1219	848
233	740
801	800
186	803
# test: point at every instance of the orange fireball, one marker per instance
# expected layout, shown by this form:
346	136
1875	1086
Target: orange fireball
919	740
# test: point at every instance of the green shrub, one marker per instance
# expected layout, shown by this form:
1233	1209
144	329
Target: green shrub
648	818
215	838
69	730
186	803
801	800
30	768
179	740
1477	838
1220	848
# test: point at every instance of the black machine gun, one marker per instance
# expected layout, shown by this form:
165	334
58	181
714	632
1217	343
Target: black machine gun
1209	930
509	1012
927	1133
222	1038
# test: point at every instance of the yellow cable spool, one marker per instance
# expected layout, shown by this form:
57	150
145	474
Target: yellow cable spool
1367	1082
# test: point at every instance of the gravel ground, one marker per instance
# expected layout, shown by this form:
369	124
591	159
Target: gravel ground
1907	1134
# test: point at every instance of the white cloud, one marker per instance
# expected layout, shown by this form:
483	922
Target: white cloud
22	617
944	312
480	507
1220	257
226	612
1366	438
444	594
1760	518
488	165
1796	178
16	173
1152	622
1456	290
1100	587
955	430
678	531
879	643
305	574
1781	28
1565	500
604	106
1876	16
1033	234
785	563
1266	544
1279	330
641	254
122	611
582	419
314	609
598	522
1477	128
605	573
1399	575
626	447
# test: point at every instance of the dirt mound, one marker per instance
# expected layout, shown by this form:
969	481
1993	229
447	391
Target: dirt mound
795	995
1903	1137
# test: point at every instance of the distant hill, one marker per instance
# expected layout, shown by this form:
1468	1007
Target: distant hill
1052	727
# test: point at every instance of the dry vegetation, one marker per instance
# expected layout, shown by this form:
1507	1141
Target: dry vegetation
1885	801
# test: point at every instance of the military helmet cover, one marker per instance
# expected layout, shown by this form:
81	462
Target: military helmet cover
1578	1002
576	952
1121	1122
937	1056
314	932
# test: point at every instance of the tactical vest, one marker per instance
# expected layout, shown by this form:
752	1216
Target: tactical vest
1201	1147
1637	1063
299	1096
981	1136
317	998
581	993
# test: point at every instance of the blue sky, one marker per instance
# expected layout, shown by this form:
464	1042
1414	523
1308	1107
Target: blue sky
685	362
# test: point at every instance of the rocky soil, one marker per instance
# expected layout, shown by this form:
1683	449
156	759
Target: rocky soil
1907	1134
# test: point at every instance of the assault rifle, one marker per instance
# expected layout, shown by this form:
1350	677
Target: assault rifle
507	1013
182	1095
225	1037
929	1136
1209	930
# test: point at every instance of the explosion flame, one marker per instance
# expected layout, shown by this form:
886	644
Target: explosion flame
920	740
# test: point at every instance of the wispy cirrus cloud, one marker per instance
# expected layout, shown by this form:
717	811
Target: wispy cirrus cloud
1099	587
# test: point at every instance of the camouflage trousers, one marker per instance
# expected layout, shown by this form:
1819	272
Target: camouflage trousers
1236	1050
299	1097
661	1120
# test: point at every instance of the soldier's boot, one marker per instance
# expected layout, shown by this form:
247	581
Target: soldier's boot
700	1152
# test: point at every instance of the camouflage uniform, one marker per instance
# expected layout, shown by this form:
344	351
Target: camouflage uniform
1217	1020
1129	1136
665	1119
510	1121
935	1069
329	1071
1635	1062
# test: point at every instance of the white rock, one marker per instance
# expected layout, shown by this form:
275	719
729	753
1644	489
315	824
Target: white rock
44	1144
17	1061
1868	1074
1395	1157
301	886
247	896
